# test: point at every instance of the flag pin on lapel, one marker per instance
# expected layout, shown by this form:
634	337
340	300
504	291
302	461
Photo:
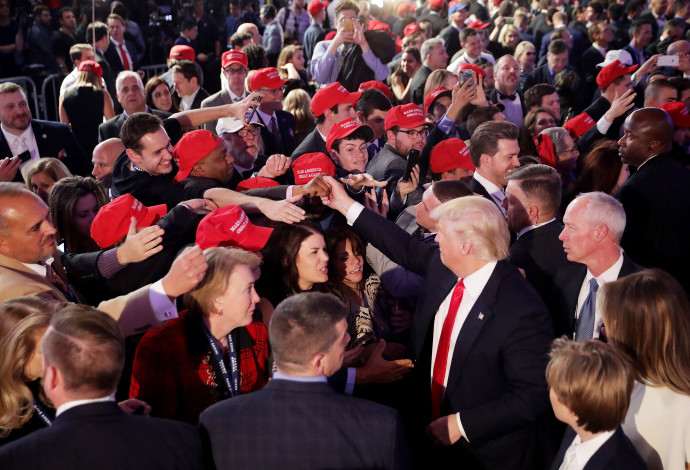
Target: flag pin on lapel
481	316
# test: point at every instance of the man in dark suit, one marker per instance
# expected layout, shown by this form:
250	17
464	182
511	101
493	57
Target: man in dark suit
507	75
533	195
331	104
20	134
277	133
121	53
100	46
594	224
188	93
312	426
457	14
480	332
90	430
556	62
130	95
434	56
656	15
655	197
494	151
641	37
600	36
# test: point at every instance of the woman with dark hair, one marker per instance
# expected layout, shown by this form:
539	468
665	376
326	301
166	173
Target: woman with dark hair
74	203
646	317
158	95
401	79
215	350
535	121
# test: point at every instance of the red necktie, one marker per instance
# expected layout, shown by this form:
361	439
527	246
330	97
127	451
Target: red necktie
442	350
125	61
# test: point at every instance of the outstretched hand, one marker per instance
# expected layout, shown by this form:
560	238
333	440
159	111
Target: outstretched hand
141	245
379	370
186	272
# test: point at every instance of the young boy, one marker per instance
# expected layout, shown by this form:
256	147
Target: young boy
590	386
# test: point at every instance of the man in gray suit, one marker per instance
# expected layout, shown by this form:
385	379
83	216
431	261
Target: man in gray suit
305	424
235	68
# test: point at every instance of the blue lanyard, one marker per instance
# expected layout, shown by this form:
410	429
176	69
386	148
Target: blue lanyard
231	385
42	414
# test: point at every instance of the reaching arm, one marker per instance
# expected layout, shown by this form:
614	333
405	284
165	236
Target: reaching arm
197	117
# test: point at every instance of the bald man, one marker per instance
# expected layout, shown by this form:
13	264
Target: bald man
656	197
103	159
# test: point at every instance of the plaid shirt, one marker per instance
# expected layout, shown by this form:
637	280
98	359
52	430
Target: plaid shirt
175	373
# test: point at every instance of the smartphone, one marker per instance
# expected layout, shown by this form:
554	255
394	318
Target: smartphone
412	160
25	156
348	24
252	111
466	75
667	61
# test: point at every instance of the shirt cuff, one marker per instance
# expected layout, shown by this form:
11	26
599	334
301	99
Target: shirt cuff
350	384
603	125
162	306
353	212
445	125
288	192
108	264
462	430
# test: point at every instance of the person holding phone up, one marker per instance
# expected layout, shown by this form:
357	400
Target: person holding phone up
329	56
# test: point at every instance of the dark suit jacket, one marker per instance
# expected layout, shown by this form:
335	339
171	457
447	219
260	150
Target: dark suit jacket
656	202
55	140
107	75
302	426
311	143
633	54
417	86
588	68
538	75
113	57
100	435
617	453
540	253
477	188
111	127
451	39
286	124
567	283
496	378
196	103
646	15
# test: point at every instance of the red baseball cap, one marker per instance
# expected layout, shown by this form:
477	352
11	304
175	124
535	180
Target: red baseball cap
266	78
545	150
411	28
435	3
315	6
612	71
477	69
380	86
256	182
181	52
331	95
91	66
310	165
678	111
347	127
478	24
578	125
376	25
406	116
330	35
234	57
404	7
450	154
230	226
431	97
112	221
192	148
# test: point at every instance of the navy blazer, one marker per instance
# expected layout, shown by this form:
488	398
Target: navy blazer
617	453
114	60
311	143
496	379
567	283
55	140
111	127
101	435
302	426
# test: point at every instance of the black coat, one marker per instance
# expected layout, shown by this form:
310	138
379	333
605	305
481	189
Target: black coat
617	453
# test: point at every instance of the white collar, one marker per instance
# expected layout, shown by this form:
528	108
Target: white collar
72	404
490	187
293	378
28	133
532	227
475	282
609	275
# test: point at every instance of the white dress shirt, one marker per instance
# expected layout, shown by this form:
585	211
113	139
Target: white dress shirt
579	453
496	193
609	275
20	143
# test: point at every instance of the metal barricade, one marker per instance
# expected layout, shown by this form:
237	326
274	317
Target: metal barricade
50	95
153	70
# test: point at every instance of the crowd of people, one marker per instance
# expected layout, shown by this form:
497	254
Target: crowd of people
356	234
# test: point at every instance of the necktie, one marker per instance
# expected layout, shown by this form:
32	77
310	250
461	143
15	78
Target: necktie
125	61
507	97
585	322
55	280
275	130
441	361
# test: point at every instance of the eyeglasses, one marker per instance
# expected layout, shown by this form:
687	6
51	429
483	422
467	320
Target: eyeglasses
342	20
238	71
246	131
414	134
574	149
